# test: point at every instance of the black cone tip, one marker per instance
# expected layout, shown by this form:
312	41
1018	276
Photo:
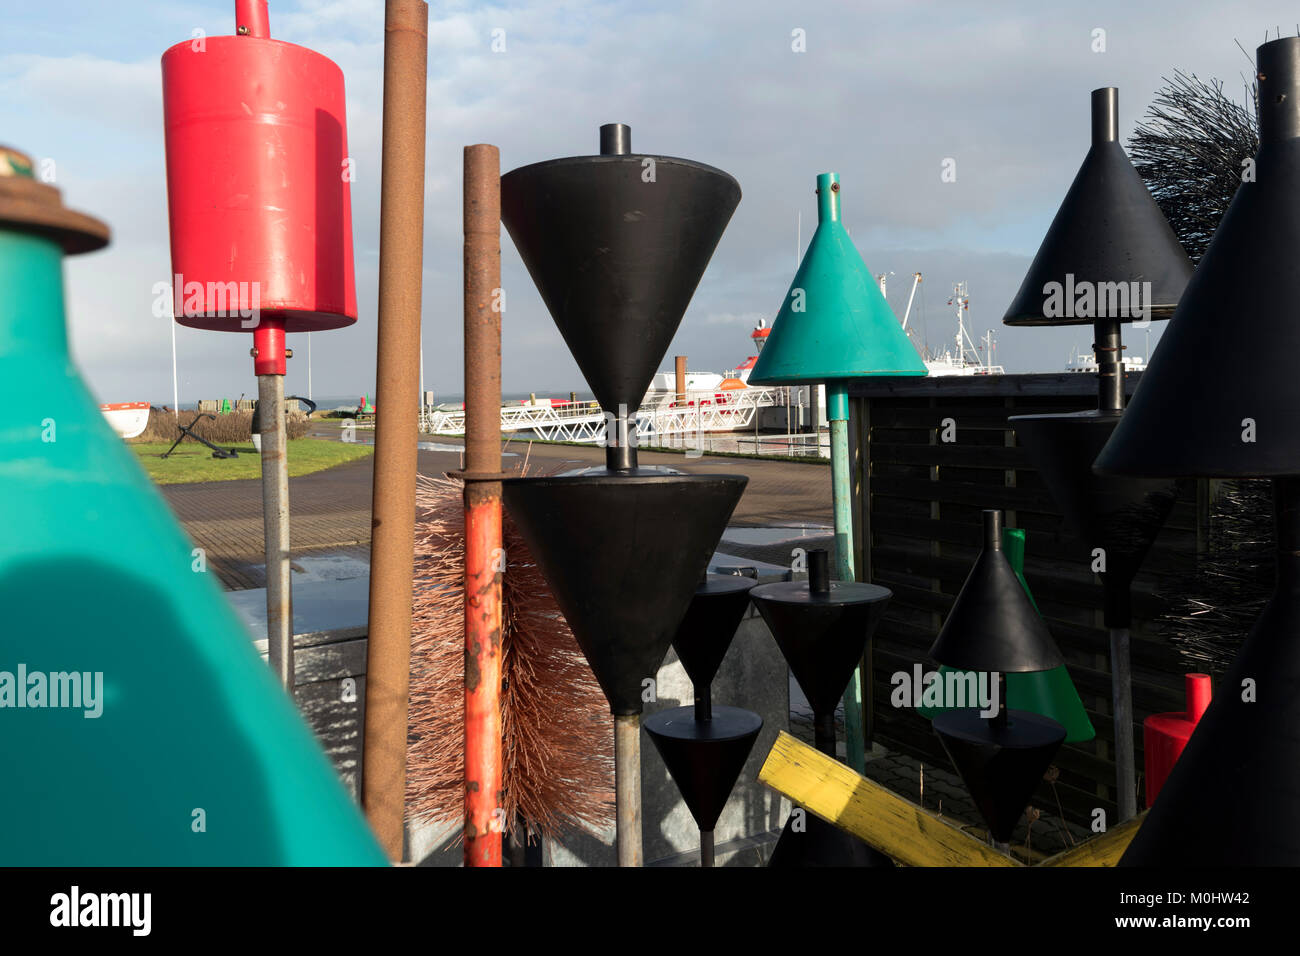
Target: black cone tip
992	625
615	139
1109	252
1105	115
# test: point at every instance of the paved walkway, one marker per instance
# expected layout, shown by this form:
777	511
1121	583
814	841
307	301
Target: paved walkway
331	509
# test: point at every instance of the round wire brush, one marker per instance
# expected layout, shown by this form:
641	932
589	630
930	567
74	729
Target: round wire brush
557	762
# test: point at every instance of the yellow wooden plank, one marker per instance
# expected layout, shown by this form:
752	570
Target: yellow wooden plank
1104	850
894	826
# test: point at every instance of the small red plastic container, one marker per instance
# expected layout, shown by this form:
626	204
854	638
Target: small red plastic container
1165	735
257	189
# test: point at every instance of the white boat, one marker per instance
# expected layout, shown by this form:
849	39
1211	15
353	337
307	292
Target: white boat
964	357
128	419
1087	362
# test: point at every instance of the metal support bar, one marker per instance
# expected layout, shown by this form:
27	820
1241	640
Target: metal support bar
1122	706
401	262
837	409
275	524
627	787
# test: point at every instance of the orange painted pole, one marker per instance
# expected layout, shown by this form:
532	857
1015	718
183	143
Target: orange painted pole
484	818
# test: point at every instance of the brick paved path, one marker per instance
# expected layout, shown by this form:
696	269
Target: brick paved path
331	509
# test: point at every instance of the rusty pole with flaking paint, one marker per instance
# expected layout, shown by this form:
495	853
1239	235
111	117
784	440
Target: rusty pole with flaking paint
484	818
401	262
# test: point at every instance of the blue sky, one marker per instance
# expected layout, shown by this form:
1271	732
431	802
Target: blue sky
884	92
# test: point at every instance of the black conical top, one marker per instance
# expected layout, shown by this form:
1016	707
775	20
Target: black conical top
623	555
821	633
616	244
1108	230
1221	397
1120	514
709	625
992	625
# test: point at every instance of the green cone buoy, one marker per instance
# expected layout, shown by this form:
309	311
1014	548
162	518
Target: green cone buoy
1050	693
834	323
138	725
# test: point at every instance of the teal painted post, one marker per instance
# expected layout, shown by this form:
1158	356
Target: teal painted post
837	411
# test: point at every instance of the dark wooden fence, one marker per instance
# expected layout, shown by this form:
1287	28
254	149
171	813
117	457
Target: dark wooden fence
924	497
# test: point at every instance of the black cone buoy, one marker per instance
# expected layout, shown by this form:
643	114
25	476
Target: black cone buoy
822	628
992	625
704	758
1108	230
616	244
1216	403
1000	764
703	747
623	555
705	633
993	628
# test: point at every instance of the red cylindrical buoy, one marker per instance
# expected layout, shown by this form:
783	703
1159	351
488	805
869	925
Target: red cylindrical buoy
258	182
1165	735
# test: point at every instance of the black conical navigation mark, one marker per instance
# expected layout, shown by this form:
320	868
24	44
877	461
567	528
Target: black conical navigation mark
1000	765
992	625
616	244
710	624
704	757
821	635
623	555
1107	230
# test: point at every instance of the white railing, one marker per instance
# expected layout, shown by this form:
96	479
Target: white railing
700	413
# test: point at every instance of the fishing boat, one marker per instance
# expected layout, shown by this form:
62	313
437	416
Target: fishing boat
128	419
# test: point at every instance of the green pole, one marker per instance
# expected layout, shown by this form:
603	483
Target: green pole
837	411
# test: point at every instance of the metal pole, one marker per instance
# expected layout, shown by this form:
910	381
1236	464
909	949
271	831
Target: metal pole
176	392
627	787
269	356
706	848
482	215
309	366
837	410
401	260
1122	707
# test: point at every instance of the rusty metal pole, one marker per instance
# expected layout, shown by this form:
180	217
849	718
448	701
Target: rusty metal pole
401	261
484	817
679	362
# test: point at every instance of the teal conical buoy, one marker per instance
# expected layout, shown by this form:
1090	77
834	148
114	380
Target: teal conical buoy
137	722
1050	693
835	325
834	322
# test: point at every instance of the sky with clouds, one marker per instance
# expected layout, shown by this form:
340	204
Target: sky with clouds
883	93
